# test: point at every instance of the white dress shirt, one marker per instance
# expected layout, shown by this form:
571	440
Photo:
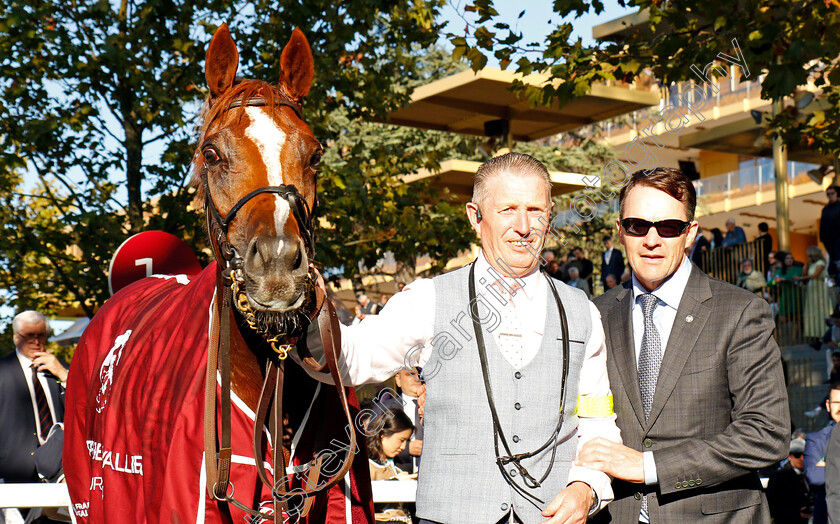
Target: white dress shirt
26	366
669	294
379	346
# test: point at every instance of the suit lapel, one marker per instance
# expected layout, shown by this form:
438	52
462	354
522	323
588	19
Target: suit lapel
619	324
684	336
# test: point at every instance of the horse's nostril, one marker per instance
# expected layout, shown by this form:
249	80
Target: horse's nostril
298	259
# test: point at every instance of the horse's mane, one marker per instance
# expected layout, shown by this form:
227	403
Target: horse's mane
213	109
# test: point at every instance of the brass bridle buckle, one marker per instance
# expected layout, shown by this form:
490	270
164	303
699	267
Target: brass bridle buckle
240	299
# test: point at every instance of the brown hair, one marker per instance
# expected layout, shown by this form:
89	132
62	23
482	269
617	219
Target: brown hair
392	422
667	179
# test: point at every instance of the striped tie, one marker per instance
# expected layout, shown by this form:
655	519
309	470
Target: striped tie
44	415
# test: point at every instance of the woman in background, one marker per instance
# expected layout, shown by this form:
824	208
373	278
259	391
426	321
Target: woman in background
387	435
817	301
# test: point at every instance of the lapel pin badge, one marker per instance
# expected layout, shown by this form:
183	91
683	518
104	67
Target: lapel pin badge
689	318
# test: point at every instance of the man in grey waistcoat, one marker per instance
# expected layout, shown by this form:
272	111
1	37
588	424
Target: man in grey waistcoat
509	459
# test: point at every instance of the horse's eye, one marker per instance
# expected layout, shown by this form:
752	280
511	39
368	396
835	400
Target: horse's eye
315	161
211	156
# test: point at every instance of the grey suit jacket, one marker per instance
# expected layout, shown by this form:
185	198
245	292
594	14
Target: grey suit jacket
720	409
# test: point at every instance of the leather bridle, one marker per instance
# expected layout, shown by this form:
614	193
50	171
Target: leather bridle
218	454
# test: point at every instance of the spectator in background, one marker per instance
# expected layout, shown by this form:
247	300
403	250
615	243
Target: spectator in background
32	385
584	265
612	261
553	269
817	300
548	255
815	444
383	299
575	280
564	268
834	370
832	476
386	436
610	282
366	307
766	242
831	343
626	276
400	286
749	278
700	245
787	490
772	264
409	386
734	234
830	229
788	293
717	239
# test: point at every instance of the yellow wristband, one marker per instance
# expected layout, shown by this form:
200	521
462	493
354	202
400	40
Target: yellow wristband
595	407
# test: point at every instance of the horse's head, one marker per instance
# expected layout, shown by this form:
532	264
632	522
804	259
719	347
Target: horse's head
255	168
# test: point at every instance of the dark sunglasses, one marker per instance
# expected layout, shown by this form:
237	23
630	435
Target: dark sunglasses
639	227
797	455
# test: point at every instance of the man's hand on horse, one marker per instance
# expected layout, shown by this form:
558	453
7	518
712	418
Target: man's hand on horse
44	361
614	459
570	506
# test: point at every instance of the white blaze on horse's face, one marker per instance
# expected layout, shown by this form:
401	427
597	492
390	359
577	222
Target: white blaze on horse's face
270	139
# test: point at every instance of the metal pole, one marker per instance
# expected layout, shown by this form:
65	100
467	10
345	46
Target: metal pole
782	208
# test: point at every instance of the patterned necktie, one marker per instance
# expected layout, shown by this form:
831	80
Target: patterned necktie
44	415
650	357
510	328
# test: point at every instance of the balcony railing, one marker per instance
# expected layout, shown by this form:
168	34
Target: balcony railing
799	309
748	181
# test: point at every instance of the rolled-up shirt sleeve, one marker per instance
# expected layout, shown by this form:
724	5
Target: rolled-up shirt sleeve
595	383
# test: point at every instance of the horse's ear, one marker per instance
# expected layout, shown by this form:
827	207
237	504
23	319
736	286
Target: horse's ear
296	66
222	61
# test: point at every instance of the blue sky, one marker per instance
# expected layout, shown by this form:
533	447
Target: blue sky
537	21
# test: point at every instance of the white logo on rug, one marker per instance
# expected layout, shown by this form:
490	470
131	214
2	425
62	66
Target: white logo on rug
106	372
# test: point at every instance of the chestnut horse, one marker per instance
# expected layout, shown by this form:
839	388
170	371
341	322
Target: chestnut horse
177	383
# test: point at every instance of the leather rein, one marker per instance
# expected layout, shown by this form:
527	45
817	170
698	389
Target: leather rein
218	452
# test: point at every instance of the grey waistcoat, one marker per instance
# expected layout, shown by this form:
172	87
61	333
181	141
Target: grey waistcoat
459	480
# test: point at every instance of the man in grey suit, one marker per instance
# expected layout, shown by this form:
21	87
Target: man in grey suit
695	372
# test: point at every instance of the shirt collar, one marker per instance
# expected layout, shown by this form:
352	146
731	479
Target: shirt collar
483	269
671	291
24	361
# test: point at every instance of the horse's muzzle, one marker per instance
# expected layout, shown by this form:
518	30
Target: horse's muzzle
276	273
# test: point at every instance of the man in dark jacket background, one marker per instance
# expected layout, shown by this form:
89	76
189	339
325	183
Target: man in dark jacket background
830	229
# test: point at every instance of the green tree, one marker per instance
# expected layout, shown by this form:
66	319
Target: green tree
99	103
790	42
584	217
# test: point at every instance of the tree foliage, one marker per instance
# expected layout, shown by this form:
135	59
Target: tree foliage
98	105
790	42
